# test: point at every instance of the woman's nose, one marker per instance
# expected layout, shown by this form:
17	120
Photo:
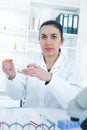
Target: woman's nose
48	41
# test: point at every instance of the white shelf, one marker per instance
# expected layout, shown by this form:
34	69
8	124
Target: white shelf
66	35
13	8
33	32
67	47
70	36
54	6
12	50
12	32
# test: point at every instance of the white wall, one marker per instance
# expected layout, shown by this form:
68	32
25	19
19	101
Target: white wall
82	40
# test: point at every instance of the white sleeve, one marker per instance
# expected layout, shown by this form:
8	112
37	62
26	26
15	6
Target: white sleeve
16	88
63	90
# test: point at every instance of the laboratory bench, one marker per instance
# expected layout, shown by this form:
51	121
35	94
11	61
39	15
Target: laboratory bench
15	118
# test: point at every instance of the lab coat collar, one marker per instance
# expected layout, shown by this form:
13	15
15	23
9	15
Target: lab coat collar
57	64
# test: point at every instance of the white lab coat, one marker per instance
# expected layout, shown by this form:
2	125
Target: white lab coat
64	85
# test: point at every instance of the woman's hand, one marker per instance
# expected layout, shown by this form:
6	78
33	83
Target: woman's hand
36	71
8	68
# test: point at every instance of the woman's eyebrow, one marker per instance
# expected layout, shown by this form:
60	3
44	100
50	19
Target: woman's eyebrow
55	34
50	34
42	34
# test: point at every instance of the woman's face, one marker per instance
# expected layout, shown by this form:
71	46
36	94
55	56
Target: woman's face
50	40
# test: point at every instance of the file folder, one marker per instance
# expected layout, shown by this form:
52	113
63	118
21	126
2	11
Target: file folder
75	24
70	23
65	23
60	18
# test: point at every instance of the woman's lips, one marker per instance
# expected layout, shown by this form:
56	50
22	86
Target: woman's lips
48	49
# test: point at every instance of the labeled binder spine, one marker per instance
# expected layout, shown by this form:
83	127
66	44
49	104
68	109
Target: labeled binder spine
60	19
65	23
75	24
69	22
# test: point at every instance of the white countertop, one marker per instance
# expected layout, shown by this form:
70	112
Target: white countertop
24	115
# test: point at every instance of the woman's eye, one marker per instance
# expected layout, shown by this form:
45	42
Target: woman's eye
54	37
43	37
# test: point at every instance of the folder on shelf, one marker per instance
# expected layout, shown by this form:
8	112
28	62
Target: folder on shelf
65	23
60	18
75	24
70	23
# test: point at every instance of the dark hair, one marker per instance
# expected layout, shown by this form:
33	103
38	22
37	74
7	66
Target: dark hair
54	23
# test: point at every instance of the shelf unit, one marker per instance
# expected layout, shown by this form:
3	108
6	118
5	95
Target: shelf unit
13	39
42	11
13	32
18	31
19	36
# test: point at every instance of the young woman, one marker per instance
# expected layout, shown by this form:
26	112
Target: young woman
51	80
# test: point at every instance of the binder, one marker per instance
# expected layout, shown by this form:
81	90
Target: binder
75	24
65	23
60	18
70	23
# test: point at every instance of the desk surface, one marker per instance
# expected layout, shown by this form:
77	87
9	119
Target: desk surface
23	115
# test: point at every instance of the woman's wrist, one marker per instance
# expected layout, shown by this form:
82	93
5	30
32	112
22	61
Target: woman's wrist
11	77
